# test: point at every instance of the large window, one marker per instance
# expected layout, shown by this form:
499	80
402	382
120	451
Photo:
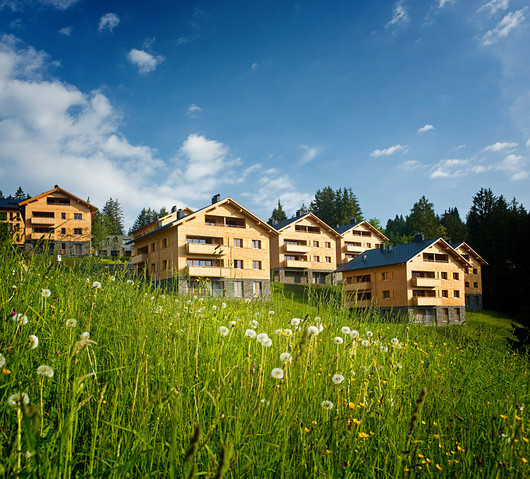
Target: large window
257	288
256	244
78	216
238	243
238	264
238	289
256	264
78	231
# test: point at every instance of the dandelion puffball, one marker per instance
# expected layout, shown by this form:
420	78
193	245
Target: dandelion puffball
365	342
345	330
96	284
354	334
369	334
20	319
277	373
254	324
295	321
337	378
267	343
17	399
338	340
223	330
2	361
84	336
46	293
327	405
262	337
288	332
33	341
250	333
312	330
71	323
284	357
45	370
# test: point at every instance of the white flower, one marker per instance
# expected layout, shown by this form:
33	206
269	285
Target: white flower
399	365
71	323
84	336
272	313
267	343
33	341
394	341
113	278
277	373
46	293
312	330
278	331
264	401
201	299
376	342
327	405
17	399
233	324
2	361
369	334
96	284
254	324
284	357
44	370
354	334
345	330
317	318
247	300
287	332
262	337
250	333
214	307
20	319
365	342
223	331
129	281
384	349
223	305
338	340
295	321
337	378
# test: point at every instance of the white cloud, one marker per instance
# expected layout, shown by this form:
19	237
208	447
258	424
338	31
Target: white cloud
411	165
510	22
59	4
109	22
450	168
528	142
514	165
193	110
399	15
66	31
310	152
443	3
254	65
425	128
494	6
500	145
144	61
389	151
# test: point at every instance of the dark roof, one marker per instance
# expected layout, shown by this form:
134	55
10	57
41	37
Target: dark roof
8	204
282	224
390	255
342	229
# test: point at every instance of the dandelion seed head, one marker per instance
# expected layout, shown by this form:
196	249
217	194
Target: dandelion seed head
44	370
223	305
250	333
262	337
46	293
354	334
33	341
284	357
384	349
365	342
84	336
278	331
247	300
214	307
277	373
267	343
287	332
312	330
2	361
369	334
96	284
337	378
18	399
272	313
327	405
254	324
295	321
345	330
338	340
71	323
223	330
233	324
394	341
129	281
20	319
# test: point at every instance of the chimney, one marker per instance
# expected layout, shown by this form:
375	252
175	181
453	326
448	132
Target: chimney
173	208
353	220
274	222
298	213
382	246
419	237
389	248
364	257
180	214
216	198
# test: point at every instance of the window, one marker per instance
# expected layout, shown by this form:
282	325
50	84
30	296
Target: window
78	216
238	264
445	293
63	246
63	216
209	220
256	244
368	245
50	201
238	289
64	201
467	284
327	244
456	276
385	276
152	247
457	311
315	244
78	249
78	231
443	275
153	268
256	264
164	265
328	259
456	293
446	314
256	288
205	263
316	259
164	242
238	243
475	271
63	231
386	294
475	285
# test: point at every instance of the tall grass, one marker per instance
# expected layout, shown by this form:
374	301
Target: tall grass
157	391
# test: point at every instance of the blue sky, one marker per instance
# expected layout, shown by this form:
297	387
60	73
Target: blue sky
168	103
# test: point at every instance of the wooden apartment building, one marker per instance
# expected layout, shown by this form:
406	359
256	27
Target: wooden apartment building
222	249
305	250
473	276
423	280
58	221
12	215
355	238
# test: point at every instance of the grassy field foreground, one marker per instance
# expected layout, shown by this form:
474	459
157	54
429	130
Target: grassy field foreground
106	377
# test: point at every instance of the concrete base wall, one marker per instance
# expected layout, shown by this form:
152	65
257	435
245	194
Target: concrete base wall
431	316
473	302
71	248
305	276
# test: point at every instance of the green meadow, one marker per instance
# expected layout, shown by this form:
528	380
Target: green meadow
106	376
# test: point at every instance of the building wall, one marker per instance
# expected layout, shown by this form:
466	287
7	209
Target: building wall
16	223
362	237
473	281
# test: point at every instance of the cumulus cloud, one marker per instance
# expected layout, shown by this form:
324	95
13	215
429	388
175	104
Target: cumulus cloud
399	15
108	22
66	31
425	128
450	168
389	151
500	145
509	23
411	165
193	110
493	6
515	166
310	152
443	3
144	61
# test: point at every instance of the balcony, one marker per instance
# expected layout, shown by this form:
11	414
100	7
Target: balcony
358	286
293	263
426	301
364	303
138	259
210	271
42	221
425	282
353	249
296	248
197	248
38	236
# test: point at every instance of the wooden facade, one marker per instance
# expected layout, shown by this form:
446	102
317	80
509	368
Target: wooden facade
58	222
423	280
222	249
305	251
355	238
473	276
13	216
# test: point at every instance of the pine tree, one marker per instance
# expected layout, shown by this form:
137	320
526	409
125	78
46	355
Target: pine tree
347	207
99	231
324	205
456	228
113	215
278	214
422	219
145	217
20	195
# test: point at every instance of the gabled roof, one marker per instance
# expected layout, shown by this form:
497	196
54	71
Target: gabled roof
284	224
463	245
399	254
176	222
345	228
57	189
9	204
